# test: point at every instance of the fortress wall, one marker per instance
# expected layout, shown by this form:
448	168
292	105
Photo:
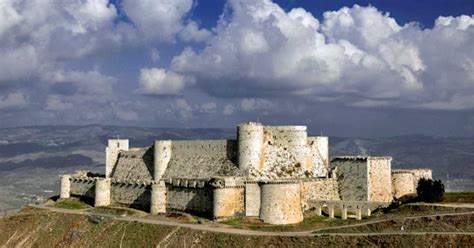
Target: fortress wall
228	201
352	178
281	203
252	199
318	156
402	184
134	164
83	188
210	148
319	189
193	200
380	178
202	159
250	138
111	153
131	195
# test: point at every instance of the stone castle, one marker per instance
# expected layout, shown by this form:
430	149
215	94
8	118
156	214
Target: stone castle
274	173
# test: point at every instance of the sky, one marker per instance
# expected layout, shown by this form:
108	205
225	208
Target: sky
343	68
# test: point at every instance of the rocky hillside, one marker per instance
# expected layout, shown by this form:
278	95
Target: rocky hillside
41	228
31	158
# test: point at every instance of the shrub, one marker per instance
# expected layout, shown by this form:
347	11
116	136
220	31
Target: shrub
429	190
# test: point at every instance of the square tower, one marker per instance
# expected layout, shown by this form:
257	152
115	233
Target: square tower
111	153
362	178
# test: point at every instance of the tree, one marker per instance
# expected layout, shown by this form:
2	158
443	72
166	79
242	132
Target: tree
429	190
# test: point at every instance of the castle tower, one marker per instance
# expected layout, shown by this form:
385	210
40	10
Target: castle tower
65	187
102	192
250	145
161	158
295	139
158	198
111	154
281	202
402	183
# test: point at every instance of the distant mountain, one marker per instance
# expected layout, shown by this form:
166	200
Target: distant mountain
31	158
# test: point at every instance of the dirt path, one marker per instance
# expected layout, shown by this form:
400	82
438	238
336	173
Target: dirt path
230	230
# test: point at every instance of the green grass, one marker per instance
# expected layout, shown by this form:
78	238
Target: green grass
71	204
458	197
114	210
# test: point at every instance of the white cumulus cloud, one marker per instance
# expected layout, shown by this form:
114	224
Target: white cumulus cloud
158	81
356	56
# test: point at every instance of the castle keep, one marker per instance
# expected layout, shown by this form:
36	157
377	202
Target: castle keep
275	173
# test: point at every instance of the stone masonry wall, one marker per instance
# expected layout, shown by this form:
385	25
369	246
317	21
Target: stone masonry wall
202	159
193	200
228	202
286	154
83	187
352	179
379	179
319	189
281	203
134	164
252	199
419	174
112	151
135	196
402	184
318	156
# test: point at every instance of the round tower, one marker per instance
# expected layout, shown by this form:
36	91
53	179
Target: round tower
158	198
281	203
297	141
102	192
250	144
65	187
161	158
402	183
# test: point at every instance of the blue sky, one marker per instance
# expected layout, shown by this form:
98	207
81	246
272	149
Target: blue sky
349	68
